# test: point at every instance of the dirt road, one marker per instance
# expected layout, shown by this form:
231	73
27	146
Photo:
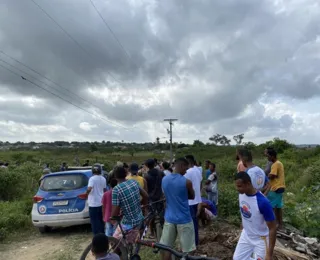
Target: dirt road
63	244
67	244
217	240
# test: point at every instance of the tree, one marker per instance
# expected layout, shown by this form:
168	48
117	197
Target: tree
215	138
220	139
280	145
238	138
249	145
158	141
224	140
197	143
93	147
132	152
182	145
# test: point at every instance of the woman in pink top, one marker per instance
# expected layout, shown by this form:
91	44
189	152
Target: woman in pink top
240	167
106	209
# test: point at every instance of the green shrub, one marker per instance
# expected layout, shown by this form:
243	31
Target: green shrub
304	214
16	182
228	200
17	157
14	216
311	175
10	184
226	170
302	172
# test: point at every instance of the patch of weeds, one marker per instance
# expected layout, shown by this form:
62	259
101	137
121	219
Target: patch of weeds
62	255
147	253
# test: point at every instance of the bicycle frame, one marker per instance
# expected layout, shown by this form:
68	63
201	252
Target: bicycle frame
143	228
181	256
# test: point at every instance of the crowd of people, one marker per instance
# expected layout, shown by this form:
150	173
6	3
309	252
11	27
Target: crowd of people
191	197
181	184
261	203
270	181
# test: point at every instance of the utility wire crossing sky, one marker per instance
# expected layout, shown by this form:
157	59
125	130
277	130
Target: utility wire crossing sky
114	71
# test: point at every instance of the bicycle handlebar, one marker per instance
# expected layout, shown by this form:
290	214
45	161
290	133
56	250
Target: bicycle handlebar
154	202
172	251
118	218
151	213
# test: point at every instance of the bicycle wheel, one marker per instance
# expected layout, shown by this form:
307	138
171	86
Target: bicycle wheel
86	253
113	245
135	257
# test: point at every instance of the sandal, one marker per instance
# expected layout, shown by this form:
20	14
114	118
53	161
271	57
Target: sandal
151	237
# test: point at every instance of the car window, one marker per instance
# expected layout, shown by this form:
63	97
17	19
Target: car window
64	182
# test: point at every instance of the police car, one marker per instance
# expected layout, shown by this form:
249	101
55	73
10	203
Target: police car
61	200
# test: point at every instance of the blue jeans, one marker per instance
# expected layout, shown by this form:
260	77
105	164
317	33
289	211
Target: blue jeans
110	229
96	219
193	212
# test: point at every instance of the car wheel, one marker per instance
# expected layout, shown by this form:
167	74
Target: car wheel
44	229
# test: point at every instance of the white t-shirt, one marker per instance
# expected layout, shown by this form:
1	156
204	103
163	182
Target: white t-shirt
211	176
255	211
98	184
258	177
195	176
213	186
166	172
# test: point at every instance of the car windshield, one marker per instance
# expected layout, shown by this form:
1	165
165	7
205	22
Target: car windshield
64	182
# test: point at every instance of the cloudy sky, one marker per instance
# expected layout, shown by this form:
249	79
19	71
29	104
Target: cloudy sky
228	67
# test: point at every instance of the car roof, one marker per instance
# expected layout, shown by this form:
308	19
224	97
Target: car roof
85	172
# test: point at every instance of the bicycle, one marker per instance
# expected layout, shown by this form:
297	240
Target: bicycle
179	255
158	217
127	250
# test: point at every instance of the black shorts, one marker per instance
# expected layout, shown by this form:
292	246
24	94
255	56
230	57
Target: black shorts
158	207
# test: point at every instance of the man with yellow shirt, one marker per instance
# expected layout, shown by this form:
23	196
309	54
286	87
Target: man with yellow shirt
134	169
276	185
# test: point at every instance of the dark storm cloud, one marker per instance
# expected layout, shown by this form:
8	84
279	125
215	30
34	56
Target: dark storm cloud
238	49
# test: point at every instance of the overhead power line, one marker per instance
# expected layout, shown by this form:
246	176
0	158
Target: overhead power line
113	34
54	94
69	35
33	77
36	72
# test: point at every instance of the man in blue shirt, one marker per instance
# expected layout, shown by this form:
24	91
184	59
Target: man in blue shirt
207	170
178	221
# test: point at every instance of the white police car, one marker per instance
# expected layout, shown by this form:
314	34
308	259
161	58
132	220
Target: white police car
61	200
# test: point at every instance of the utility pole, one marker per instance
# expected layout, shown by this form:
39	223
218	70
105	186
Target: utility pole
170	120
